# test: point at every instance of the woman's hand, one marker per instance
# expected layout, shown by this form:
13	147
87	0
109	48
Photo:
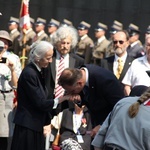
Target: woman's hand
46	130
73	98
95	130
10	65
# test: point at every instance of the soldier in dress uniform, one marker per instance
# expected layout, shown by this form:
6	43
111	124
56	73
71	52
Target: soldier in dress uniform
53	25
85	44
135	48
147	33
39	29
14	34
29	35
101	44
117	26
66	22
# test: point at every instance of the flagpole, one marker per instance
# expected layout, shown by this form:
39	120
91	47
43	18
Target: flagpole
24	23
23	57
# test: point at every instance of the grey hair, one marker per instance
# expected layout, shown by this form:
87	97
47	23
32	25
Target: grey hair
64	32
38	50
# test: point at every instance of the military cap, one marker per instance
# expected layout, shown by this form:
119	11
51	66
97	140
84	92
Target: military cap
118	23
53	22
115	28
101	26
32	20
13	20
67	23
84	25
133	29
40	21
148	30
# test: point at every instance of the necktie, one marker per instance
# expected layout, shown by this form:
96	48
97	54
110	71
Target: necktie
59	91
120	68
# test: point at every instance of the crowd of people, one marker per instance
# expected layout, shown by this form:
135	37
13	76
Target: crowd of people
75	85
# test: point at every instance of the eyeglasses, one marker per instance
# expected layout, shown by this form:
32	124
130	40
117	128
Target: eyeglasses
120	42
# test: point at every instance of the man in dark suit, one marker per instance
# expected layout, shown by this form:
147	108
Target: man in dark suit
63	39
120	44
99	89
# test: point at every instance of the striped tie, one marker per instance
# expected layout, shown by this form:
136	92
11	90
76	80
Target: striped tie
59	91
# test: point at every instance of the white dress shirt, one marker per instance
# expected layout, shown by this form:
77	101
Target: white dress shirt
136	74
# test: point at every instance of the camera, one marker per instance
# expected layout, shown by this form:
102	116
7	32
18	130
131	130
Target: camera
3	60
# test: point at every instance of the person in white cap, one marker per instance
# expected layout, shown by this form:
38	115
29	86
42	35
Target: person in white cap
8	81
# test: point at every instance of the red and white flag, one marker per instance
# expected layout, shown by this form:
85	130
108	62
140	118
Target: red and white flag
24	14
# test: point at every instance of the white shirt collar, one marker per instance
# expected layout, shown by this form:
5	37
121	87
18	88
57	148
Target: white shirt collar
134	43
58	55
123	58
12	31
101	39
87	76
83	37
38	68
40	33
30	29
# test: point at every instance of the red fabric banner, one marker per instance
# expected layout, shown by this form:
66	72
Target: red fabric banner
24	14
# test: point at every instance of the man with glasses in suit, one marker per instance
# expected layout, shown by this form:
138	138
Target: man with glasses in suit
120	44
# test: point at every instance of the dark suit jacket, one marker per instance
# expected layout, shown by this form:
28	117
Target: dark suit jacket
33	106
107	63
66	130
135	51
103	93
50	72
50	75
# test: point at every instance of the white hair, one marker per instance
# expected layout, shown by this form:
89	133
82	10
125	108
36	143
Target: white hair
65	32
38	50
